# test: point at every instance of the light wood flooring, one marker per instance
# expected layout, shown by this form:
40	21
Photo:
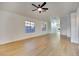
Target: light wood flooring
47	45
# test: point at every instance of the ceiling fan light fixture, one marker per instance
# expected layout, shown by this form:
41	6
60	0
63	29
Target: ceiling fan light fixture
39	9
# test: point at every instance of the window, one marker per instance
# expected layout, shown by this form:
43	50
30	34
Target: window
29	27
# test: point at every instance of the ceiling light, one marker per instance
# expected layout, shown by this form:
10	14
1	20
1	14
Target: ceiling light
39	9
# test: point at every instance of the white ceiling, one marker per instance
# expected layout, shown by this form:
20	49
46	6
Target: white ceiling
25	8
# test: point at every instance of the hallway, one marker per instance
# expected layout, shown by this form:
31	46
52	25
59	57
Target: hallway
40	46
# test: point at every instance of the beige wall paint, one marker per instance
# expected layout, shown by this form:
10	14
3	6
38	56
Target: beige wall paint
65	24
12	27
70	26
73	28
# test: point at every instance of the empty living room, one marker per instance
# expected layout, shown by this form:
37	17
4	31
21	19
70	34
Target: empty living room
39	28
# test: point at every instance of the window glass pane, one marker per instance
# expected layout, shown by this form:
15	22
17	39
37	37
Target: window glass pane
29	27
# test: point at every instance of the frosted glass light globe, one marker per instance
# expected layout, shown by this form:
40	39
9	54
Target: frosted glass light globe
39	9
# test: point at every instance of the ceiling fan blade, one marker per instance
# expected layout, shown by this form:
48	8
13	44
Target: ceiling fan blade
43	4
34	5
45	8
34	10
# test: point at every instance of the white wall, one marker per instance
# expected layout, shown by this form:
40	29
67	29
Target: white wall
73	28
53	27
54	22
12	27
70	26
65	24
63	27
77	26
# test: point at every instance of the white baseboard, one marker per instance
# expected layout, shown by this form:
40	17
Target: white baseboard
75	42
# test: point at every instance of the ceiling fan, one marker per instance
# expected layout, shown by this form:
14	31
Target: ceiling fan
40	8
